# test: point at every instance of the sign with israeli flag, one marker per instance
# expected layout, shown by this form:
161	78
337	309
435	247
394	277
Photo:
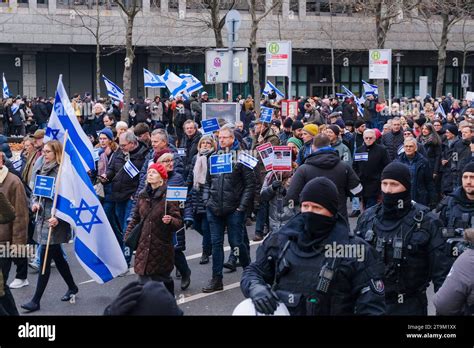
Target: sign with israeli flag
370	89
440	111
248	160
361	156
95	244
17	165
113	90
15	107
64	118
266	114
176	193
356	100
221	164
192	83
211	125
174	83
44	186
97	152
152	80
268	89
130	169
6	91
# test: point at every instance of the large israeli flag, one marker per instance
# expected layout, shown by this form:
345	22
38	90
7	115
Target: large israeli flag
269	87
62	118
192	83
95	244
357	101
113	90
370	89
152	80
175	84
6	91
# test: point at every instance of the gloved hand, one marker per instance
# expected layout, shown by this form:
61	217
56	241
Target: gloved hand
276	185
126	300
188	223
263	298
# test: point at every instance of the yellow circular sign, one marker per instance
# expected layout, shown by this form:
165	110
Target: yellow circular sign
375	55
273	48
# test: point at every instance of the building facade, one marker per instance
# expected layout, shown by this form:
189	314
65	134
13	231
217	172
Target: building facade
40	39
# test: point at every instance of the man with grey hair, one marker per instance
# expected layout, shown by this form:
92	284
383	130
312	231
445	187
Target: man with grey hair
422	186
369	161
123	174
393	139
190	144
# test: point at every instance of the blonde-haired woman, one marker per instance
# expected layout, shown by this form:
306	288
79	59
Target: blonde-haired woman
61	232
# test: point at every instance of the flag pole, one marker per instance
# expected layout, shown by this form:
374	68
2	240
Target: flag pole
55	200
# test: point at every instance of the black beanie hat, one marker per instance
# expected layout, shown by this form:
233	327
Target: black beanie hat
468	168
451	128
335	129
358	123
399	172
288	122
297	125
321	191
156	300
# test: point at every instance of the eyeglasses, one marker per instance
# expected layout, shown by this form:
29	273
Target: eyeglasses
47	151
123	145
168	161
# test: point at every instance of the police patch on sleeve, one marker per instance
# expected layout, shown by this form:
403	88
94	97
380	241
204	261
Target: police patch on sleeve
377	286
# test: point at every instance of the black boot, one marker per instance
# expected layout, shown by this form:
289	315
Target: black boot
231	264
204	258
68	295
215	284
31	306
186	281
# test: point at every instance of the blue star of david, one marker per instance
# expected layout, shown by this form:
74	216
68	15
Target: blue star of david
83	206
52	133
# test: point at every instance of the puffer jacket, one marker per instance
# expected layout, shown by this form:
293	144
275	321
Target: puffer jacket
123	186
155	252
231	190
422	184
392	142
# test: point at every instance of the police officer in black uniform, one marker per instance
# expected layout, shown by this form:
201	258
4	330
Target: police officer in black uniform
407	238
456	212
301	265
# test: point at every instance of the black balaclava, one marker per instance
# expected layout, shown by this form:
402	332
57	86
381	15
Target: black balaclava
396	205
317	227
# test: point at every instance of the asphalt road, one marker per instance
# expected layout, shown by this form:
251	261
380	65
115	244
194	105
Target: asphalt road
93	298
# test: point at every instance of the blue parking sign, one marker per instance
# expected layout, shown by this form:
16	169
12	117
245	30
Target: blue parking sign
44	186
209	126
221	164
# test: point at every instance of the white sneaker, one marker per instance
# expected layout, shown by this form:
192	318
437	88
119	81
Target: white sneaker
19	283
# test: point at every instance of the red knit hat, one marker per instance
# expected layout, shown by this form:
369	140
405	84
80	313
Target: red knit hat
160	169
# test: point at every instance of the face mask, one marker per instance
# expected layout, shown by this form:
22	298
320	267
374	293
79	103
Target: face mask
396	204
318	226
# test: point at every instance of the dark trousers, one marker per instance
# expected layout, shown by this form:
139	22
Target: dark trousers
55	253
262	218
21	267
201	225
181	263
166	279
7	302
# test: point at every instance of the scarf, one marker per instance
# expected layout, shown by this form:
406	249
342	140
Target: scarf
200	168
3	174
48	167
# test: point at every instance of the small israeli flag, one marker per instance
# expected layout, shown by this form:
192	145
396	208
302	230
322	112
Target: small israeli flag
370	89
356	100
152	80
6	91
130	169
175	84
15	108
440	111
269	87
176	193
113	90
247	160
192	83
17	165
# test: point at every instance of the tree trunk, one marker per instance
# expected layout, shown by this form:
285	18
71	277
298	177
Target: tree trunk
333	73
127	72
97	53
219	44
254	63
381	34
442	56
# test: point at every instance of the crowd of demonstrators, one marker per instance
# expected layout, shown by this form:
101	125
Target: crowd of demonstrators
395	164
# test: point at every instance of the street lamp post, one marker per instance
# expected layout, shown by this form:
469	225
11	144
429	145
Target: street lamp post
398	56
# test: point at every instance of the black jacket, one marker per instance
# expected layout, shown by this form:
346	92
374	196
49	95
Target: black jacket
191	146
230	191
352	289
433	154
142	111
40	112
325	163
451	172
370	171
422	185
123	186
392	142
197	196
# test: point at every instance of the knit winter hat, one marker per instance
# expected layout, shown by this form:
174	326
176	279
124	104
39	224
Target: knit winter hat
468	168
451	128
160	169
108	133
311	129
399	172
335	129
322	191
295	141
288	122
297	125
358	123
